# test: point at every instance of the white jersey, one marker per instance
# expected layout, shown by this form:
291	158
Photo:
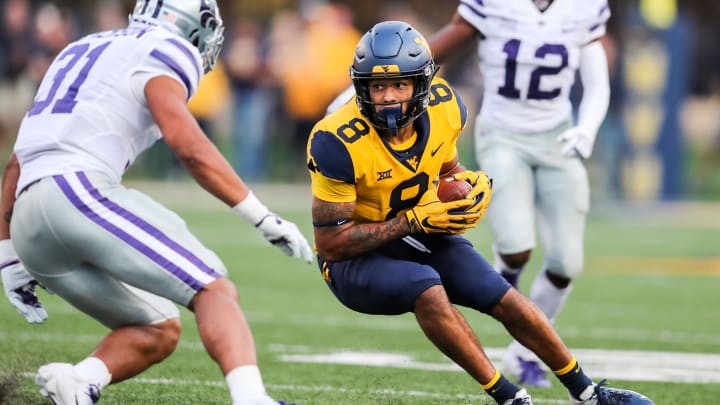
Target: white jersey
90	112
528	58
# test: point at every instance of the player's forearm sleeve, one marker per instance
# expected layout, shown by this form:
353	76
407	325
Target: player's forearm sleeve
596	86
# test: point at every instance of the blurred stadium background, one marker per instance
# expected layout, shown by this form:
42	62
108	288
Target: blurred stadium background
284	60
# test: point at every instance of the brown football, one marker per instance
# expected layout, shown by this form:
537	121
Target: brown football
450	189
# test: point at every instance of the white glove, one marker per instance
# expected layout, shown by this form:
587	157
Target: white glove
281	233
286	236
578	142
19	285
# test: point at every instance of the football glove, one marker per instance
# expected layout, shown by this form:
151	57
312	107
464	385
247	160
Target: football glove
481	192
286	236
577	141
19	285
440	217
283	234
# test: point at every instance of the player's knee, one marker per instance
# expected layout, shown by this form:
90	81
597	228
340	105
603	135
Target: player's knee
566	267
512	308
221	288
559	280
516	260
432	302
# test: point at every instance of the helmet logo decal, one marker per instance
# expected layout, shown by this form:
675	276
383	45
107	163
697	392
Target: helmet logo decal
384	70
171	18
422	42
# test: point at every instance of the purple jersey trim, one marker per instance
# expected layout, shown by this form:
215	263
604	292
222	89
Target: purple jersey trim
181	45
472	8
175	67
9	263
129	239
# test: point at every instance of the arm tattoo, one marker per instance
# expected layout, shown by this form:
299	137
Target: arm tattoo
352	239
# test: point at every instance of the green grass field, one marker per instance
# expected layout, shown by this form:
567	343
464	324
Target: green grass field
644	314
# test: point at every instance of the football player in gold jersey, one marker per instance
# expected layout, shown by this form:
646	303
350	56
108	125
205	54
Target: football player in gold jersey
386	245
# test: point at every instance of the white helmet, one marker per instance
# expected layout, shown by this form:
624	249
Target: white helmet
198	21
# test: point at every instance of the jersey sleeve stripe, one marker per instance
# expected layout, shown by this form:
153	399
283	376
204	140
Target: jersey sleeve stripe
602	16
9	263
175	67
473	8
181	45
603	9
463	108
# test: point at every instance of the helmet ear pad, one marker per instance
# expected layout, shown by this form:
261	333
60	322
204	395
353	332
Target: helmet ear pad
393	49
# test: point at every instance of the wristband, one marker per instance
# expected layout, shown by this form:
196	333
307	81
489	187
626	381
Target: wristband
251	209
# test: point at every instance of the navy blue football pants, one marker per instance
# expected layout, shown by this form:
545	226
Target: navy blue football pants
388	280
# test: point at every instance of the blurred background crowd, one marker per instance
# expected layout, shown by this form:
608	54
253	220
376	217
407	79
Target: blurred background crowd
285	60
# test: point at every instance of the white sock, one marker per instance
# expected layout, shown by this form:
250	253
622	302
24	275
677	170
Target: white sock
94	371
547	297
245	384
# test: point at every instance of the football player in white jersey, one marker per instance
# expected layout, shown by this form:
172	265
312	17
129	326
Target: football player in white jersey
526	139
112	252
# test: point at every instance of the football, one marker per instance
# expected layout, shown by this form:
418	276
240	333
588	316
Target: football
450	189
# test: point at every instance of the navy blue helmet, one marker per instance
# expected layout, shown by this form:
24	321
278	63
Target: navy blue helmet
393	49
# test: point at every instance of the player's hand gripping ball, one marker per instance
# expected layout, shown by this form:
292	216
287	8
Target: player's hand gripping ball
450	189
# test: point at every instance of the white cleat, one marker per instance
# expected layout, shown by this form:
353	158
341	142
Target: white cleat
59	383
521	398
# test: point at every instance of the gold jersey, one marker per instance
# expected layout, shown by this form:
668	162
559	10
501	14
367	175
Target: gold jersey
349	161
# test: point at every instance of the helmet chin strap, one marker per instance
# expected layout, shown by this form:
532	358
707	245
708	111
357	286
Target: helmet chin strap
391	115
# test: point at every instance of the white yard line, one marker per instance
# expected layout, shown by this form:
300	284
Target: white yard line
697	368
388	392
612	364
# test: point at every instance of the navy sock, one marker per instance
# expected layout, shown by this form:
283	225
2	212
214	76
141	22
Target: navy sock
501	389
573	378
